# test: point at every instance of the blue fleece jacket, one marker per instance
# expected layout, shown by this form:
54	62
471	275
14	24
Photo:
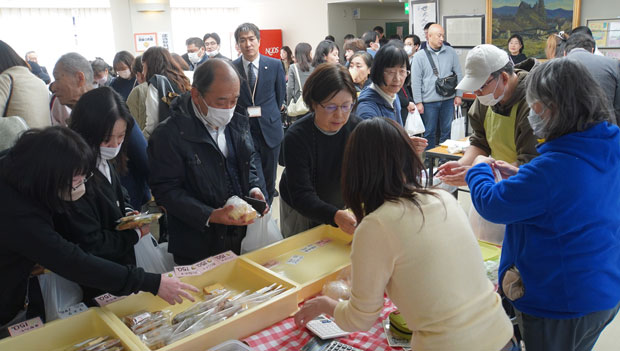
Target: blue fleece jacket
563	224
370	104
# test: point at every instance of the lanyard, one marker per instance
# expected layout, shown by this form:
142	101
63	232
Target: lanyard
405	92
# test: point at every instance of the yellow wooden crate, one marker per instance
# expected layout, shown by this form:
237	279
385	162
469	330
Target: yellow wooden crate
63	333
323	263
237	275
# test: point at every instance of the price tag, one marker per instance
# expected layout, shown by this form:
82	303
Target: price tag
323	242
206	265
106	299
72	310
186	271
309	248
24	327
295	259
271	263
224	257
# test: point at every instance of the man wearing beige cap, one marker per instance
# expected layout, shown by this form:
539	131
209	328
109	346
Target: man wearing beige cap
498	116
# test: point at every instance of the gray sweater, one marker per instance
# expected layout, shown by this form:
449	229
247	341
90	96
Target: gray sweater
292	86
422	77
606	71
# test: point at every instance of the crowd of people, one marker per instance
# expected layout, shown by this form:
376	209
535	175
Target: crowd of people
192	130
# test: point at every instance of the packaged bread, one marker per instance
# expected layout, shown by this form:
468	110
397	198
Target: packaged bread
241	208
137	221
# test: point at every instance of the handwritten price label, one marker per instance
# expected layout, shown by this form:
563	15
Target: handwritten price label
323	242
295	259
24	327
72	310
224	257
107	299
185	271
309	248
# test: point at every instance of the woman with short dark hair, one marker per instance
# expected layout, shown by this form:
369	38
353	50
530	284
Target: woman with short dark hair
359	68
326	51
415	244
126	79
515	49
313	147
560	264
38	182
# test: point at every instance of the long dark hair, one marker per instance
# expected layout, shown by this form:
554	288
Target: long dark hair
94	115
380	164
302	56
159	61
33	166
322	50
9	58
289	54
124	57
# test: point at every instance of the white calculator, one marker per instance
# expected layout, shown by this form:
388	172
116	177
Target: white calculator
338	346
325	328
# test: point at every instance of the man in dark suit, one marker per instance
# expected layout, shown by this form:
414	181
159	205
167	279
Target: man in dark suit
263	91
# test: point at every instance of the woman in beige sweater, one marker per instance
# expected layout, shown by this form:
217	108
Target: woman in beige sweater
417	245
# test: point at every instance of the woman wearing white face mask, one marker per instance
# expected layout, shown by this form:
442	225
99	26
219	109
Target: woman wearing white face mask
38	176
125	82
101	118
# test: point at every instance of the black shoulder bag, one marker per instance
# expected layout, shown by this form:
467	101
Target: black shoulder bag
443	86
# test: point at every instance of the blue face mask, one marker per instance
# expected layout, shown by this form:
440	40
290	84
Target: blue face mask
537	123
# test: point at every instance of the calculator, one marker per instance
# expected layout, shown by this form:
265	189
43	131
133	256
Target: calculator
338	346
325	328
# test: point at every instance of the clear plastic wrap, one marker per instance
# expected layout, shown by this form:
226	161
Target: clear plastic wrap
242	208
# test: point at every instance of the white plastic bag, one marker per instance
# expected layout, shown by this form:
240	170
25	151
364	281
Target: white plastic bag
485	230
151	257
261	233
458	125
414	124
58	294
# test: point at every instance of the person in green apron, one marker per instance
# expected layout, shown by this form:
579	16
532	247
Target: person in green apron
498	118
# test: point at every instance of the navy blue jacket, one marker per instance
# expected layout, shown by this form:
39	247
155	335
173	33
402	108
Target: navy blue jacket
135	181
270	96
563	228
370	104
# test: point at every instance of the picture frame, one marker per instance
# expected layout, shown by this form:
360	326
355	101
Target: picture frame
464	31
422	12
506	17
143	41
606	32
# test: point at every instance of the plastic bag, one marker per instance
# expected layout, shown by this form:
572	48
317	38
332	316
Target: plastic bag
153	258
485	230
242	208
458	125
261	233
414	124
58	294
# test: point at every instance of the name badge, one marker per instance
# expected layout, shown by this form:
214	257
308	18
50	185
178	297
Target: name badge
254	111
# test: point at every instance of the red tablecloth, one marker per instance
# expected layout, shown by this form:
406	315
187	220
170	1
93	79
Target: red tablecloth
285	336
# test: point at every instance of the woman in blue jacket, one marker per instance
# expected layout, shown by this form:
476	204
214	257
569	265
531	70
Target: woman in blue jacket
560	264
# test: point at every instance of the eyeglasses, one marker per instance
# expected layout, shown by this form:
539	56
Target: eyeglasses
75	187
402	73
331	108
487	83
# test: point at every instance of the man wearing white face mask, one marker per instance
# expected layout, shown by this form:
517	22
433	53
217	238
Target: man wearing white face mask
498	116
212	44
196	52
199	157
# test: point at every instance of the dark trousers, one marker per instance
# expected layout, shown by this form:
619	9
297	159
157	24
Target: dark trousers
268	165
576	334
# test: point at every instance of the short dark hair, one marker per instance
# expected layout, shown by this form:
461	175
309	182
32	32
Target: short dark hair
582	30
195	41
33	166
322	50
247	27
303	57
99	65
428	25
136	66
330	37
212	35
349	37
390	55
579	40
569	91
9	58
378	29
327	80
124	57
508	68
416	40
519	38
370	37
204	75
395	37
95	113
380	165
366	57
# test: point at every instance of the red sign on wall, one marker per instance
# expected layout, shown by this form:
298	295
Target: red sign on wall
270	42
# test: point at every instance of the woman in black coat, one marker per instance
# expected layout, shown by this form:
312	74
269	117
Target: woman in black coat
34	182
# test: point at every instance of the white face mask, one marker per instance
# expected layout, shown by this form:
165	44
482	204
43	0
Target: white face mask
216	117
213	53
489	99
75	194
108	153
124	74
101	82
409	49
193	57
537	123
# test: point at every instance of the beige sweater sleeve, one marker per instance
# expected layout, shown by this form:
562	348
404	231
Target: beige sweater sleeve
372	262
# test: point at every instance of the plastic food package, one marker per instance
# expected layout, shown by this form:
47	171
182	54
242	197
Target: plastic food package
137	221
99	343
241	209
338	290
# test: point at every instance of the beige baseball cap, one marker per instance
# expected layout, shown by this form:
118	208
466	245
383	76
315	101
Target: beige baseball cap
480	63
